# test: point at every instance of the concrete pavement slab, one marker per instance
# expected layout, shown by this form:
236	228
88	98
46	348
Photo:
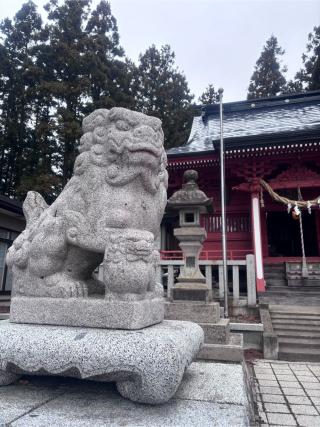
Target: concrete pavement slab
311	386
290	384
307	378
273	398
289	391
283	377
276	407
265	377
304	410
18	399
308	421
218	382
268	383
56	402
270	390
298	400
281	419
100	412
313	393
315	400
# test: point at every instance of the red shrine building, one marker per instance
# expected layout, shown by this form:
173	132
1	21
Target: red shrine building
276	140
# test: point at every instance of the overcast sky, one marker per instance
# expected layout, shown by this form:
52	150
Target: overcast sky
215	41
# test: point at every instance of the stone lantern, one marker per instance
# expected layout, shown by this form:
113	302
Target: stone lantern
190	202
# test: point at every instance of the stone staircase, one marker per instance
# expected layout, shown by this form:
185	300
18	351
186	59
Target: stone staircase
219	343
4	306
298	332
275	276
278	291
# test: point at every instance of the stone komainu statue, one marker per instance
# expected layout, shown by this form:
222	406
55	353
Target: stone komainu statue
109	212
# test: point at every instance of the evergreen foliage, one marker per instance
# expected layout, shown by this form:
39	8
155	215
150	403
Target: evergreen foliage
53	74
209	96
162	91
18	86
268	78
308	78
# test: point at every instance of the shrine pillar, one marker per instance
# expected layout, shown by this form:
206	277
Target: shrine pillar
257	241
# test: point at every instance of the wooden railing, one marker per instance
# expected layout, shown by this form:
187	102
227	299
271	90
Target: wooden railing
169	267
213	255
234	223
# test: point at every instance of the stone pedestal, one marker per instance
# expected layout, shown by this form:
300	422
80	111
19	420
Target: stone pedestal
87	312
219	343
147	365
191	284
192	292
193	311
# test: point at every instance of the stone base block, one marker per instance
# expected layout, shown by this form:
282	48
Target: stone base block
189	294
193	311
87	312
232	351
217	333
147	365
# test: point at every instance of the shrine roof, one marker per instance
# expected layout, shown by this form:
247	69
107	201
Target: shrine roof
254	122
11	205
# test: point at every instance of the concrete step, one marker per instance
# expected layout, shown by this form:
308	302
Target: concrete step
4	316
289	300
276	286
4	306
231	352
271	284
215	333
274	267
293	291
292	327
274	275
300	342
298	334
298	355
296	322
289	316
294	309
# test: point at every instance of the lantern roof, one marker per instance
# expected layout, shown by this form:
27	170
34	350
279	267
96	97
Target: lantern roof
190	195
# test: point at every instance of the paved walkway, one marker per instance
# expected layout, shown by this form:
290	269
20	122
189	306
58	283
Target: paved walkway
211	394
287	393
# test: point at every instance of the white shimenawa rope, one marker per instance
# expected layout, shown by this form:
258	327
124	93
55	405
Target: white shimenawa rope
304	259
300	203
297	203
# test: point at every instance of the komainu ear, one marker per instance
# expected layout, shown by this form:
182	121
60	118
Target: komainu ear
33	206
95	119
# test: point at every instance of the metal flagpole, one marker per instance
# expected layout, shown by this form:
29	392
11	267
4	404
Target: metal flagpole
223	209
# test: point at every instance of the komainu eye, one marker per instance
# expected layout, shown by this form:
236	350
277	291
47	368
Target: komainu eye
122	125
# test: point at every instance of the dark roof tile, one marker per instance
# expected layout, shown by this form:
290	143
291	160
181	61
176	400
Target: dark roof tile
267	118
